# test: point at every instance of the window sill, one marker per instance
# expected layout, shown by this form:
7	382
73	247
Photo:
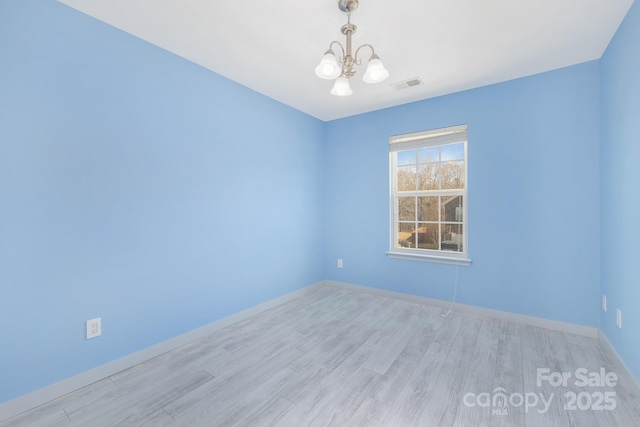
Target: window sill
430	258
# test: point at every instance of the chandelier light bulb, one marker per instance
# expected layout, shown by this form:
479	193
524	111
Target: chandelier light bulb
375	71
341	87
328	67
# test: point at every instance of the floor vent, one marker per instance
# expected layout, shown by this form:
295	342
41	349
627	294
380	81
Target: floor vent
415	81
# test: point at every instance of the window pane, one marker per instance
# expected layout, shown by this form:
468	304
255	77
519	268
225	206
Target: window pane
406	235
406	157
452	175
452	208
406	179
406	208
429	155
428	176
452	152
452	237
428	208
427	236
428	193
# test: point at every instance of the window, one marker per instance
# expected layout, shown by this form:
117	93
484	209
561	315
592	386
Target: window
428	195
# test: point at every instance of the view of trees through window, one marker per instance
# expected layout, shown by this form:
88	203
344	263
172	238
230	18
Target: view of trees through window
430	185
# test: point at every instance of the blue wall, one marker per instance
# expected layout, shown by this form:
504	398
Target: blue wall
533	197
139	187
620	157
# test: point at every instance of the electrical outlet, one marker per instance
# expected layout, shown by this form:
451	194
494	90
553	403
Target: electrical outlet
604	303
619	318
94	328
339	263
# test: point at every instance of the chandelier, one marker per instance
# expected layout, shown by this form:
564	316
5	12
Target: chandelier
329	68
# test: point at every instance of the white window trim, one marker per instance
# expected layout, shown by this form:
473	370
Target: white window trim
423	139
429	258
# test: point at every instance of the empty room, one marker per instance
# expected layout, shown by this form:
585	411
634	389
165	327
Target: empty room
319	213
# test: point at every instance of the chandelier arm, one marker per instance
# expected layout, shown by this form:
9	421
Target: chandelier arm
341	59
358	61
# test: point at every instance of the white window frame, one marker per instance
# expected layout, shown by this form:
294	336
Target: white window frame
412	141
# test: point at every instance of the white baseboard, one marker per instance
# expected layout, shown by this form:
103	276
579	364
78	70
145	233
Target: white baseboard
39	397
478	311
606	345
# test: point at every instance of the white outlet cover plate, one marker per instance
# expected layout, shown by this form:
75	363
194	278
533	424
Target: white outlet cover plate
94	328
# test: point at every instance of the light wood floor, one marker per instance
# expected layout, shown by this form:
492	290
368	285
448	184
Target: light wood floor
338	357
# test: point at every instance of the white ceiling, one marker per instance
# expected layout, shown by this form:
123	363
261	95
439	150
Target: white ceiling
452	45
